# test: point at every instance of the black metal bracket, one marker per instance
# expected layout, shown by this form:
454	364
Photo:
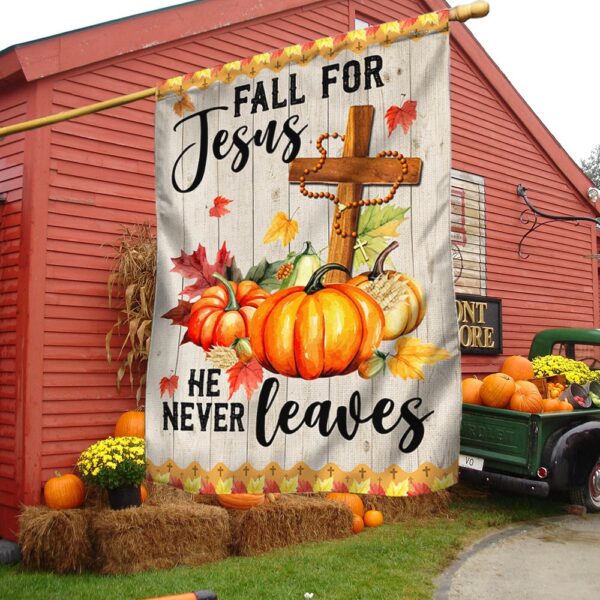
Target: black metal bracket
529	216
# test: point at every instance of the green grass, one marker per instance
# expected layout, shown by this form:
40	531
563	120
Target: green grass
392	562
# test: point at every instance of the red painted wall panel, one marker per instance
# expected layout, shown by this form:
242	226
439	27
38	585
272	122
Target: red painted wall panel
100	177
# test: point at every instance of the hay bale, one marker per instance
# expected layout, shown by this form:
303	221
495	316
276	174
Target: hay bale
96	498
405	508
159	537
167	494
289	520
56	540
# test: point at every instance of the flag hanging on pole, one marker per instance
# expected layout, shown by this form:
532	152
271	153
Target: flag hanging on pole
304	335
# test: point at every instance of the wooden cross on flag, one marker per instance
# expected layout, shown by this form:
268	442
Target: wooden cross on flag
351	172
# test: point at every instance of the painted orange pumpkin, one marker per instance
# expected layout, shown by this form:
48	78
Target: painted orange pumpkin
400	296
316	331
518	367
526	398
130	423
497	390
64	491
373	518
223	313
353	501
357	524
471	388
240	501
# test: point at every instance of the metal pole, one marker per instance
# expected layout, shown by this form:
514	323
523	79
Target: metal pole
461	13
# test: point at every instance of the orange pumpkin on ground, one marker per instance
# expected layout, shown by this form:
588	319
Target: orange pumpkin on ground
526	398
316	331
373	518
130	423
497	390
518	367
240	501
223	313
64	491
551	404
400	297
471	388
357	524
353	501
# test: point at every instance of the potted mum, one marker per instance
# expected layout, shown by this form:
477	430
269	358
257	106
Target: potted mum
117	465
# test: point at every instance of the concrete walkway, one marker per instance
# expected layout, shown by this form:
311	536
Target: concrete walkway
551	559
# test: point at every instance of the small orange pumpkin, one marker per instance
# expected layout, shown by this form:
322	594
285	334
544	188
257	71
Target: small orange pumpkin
353	501
551	404
357	524
64	491
497	390
223	313
130	423
526	398
471	388
565	405
316	331
240	501
143	493
373	518
403	315
518	367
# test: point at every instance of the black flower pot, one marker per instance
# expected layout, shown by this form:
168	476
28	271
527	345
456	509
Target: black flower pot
124	496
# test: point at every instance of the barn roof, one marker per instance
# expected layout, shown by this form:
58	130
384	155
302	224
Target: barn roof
75	49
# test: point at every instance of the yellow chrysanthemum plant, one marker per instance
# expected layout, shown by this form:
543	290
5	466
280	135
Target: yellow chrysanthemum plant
575	371
114	462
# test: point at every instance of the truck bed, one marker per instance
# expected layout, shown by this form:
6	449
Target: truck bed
510	441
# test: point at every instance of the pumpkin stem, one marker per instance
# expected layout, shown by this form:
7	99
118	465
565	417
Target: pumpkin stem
233	303
57	474
378	266
315	283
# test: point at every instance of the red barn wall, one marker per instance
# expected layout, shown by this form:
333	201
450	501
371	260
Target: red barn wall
100	176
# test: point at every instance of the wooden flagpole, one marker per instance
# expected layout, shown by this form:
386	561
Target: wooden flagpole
460	13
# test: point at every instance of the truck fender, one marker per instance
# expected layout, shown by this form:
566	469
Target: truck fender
570	453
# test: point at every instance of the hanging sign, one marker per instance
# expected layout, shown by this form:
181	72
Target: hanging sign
479	324
304	336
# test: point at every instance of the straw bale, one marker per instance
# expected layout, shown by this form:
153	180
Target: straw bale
159	494
96	498
159	537
56	540
289	520
403	508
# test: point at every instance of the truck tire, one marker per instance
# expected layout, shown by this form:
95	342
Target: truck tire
588	495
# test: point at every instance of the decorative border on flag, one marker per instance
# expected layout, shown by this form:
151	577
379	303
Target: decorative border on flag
329	47
392	481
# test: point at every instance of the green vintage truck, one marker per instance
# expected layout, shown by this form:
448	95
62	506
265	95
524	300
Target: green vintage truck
537	453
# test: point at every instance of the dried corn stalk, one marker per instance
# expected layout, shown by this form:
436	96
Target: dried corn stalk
133	274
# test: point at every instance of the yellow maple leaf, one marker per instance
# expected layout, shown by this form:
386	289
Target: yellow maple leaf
184	103
257	485
225	487
289	486
443	483
323	485
360	487
389	229
281	228
160	478
192	486
411	355
398	489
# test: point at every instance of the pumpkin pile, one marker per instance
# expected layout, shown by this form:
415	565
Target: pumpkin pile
512	389
361	518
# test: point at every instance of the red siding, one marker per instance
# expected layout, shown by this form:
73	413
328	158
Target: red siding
12	110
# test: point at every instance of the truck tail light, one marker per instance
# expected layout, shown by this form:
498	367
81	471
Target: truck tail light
542	472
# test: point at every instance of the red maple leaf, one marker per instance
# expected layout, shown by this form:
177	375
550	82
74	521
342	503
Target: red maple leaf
175	482
271	487
239	487
196	266
404	115
208	488
376	489
406	23
304	486
169	385
180	315
248	375
218	210
372	30
340	486
416	489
